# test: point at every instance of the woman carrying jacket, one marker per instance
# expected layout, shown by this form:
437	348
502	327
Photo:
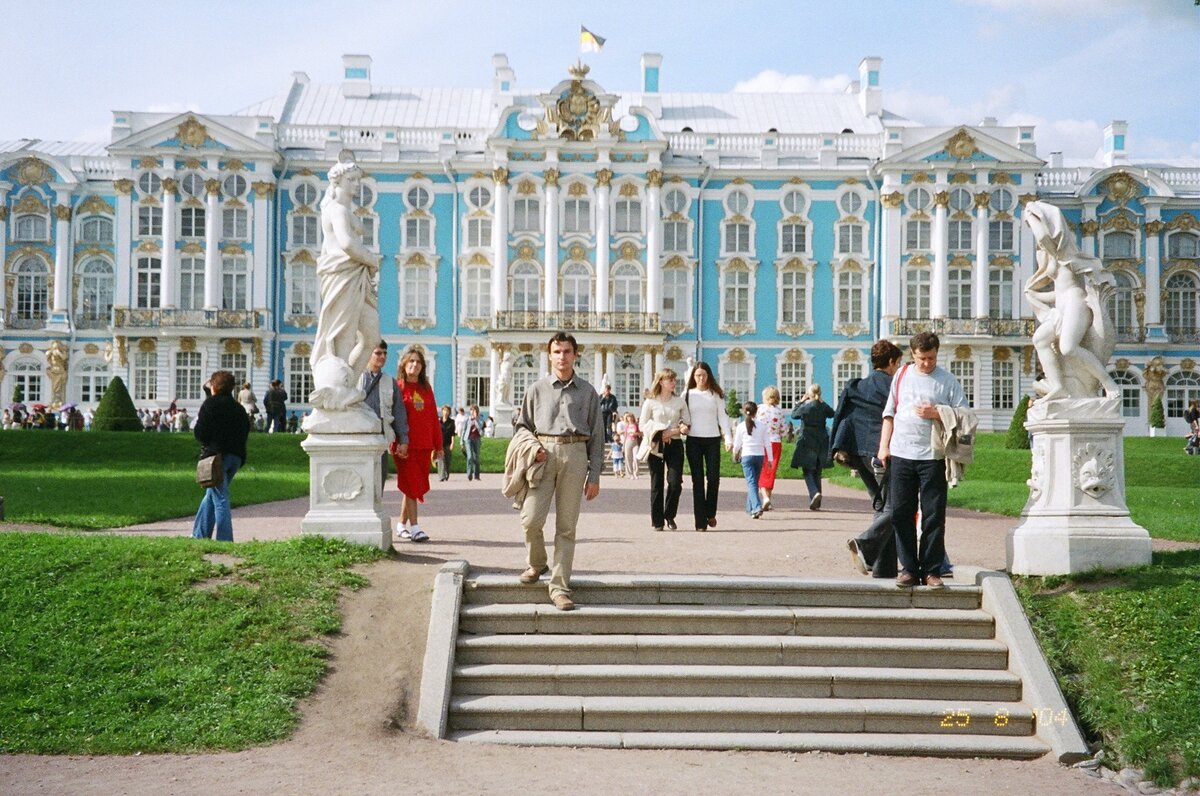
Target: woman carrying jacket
665	419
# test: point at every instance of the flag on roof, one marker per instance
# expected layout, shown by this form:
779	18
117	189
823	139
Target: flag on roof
589	42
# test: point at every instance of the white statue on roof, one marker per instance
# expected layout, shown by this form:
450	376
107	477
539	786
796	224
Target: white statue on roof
1075	336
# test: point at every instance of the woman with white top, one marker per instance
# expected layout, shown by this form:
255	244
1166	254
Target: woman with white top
709	427
770	415
752	448
664	421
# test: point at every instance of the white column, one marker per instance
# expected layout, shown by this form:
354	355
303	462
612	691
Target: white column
603	250
654	242
939	298
170	262
647	369
598	368
212	249
124	242
499	251
4	188
1154	227
263	210
892	233
606	365
62	255
550	289
1088	226
979	292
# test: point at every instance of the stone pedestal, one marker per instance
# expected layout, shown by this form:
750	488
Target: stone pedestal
345	488
1076	518
503	413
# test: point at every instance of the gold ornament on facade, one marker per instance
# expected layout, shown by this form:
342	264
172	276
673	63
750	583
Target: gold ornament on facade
233	164
604	177
674	353
123	187
192	201
526	187
122	352
500	175
577	189
212	187
1027	359
1184	221
149	246
1120	187
1002	178
1154	227
147	345
629	250
1187	363
920	177
1001	354
850	181
851	355
982	199
1121	221
576	252
525	250
942	199
1026	198
148	163
191	247
960	178
303	257
577	115
551	178
893	200
302	349
3	214
1001	261
192	133
232	249
303	321
31	203
263	189
793	355
654	178
170	185
32	171
961	145
962	352
961	215
960	261
192	163
187	344
1089	227
628	189
478	258
233	201
1121	364
62	212
257	343
25	348
477	351
94	204
416	259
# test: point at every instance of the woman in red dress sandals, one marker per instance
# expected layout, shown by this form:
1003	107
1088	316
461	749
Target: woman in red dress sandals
424	441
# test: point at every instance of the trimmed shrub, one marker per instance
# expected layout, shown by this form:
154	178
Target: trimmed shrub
733	406
1018	437
1158	418
116	411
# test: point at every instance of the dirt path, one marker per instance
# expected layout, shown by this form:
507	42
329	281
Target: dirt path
357	735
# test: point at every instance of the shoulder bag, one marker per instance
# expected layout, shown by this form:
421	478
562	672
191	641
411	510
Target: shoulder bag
210	472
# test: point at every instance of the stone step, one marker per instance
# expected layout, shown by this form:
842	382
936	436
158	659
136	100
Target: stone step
737	681
732	650
727	620
942	744
691	590
739	714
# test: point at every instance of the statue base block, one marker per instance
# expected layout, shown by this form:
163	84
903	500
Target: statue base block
1076	518
345	489
503	415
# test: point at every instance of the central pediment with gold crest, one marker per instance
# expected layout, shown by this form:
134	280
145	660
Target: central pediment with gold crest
964	145
190	132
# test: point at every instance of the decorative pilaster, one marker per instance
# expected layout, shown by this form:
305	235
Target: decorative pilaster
62	257
939	298
892	247
260	264
647	369
124	241
170	260
603	251
4	189
550	289
212	249
1154	228
1088	226
499	250
979	274
654	180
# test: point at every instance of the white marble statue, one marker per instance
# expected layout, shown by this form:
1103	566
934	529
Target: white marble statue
504	378
348	274
1075	336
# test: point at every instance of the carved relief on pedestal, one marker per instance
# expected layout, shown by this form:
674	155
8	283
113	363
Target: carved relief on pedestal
1094	467
342	485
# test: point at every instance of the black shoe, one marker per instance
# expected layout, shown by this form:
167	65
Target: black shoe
672	526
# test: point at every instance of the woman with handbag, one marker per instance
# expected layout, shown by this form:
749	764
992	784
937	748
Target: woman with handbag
222	427
710	426
663	422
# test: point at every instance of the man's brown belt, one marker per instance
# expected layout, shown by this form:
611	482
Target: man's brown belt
564	439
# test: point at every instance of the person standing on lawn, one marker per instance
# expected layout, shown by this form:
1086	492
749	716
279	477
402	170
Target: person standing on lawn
918	479
472	440
275	404
563	412
222	426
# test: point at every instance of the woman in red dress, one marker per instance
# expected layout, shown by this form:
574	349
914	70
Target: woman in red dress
424	441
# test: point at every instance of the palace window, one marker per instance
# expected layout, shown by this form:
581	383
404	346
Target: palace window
145	376
525	372
917	237
675	201
738	202
793	382
191	283
793	238
577	216
1000	236
735	295
850	238
191	222
576	288
627	288
851	203
149	184
1004	385
843	372
1179	311
960	235
27	377
30	228
92	380
1181	389
479	197
916	293
148	282
234	186
235	283
235	223
527	214
738	377
305	195
1119	245
627	381
1131	392
478	382
96	282
367	225
96	229
1000	292
192	185
479	232
1120	303
306	230
959	289
302	289
961	200
851	297
794	203
675	295
737	238
1183	245
525	295
964	371
149	223
793	297
417	292
300	380
628	216
477	291
188	376
418	232
364	197
1001	201
33	289
918	199
675	236
237	364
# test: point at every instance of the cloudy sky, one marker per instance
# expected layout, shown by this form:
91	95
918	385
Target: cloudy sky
1067	66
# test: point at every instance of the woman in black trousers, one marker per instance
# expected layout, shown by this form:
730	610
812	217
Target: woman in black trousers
709	428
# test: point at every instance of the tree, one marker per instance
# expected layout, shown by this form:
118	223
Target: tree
1018	437
1158	418
733	407
18	394
116	411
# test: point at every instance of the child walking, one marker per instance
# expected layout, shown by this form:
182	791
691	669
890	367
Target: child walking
751	447
618	458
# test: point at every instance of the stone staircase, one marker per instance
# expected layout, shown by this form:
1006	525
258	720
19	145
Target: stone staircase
735	663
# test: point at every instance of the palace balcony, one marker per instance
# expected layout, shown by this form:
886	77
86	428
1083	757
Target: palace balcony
1183	334
521	320
21	320
972	327
130	318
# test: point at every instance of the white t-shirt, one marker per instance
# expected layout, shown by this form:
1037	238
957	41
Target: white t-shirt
753	443
911	434
707	410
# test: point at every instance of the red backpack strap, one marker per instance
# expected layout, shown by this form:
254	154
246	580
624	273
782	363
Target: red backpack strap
900	378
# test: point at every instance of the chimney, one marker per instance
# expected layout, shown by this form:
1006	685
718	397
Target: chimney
1056	160
870	95
356	76
1114	143
1025	139
651	64
504	79
988	121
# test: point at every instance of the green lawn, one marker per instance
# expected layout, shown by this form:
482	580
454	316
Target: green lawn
108	645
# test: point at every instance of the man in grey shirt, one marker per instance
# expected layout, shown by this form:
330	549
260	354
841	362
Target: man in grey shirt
563	412
384	400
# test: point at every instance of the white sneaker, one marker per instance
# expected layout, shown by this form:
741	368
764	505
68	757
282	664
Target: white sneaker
402	532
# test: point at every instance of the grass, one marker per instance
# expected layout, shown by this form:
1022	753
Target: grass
114	645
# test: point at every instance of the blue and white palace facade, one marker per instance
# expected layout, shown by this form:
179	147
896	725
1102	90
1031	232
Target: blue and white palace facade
775	236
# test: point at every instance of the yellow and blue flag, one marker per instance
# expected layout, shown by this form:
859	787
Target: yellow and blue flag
589	42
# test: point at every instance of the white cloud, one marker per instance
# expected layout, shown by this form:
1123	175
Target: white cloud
1045	10
769	81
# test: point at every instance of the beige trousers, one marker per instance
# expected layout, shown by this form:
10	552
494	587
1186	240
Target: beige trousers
562	481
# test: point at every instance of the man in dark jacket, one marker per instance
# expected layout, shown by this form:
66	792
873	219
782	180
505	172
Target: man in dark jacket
275	402
222	426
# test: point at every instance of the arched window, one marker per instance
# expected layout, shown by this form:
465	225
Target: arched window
1182	388
33	290
27	377
526	292
627	288
91	379
675	224
525	371
1183	245
627	380
30	228
1119	245
576	295
1131	392
300	381
792	381
95	297
96	229
1179	314
238	364
1120	303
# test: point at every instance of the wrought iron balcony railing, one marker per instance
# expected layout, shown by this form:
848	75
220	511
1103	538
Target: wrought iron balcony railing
128	317
984	327
518	320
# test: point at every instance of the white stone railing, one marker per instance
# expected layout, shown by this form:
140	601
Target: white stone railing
1181	178
810	144
99	168
1061	177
